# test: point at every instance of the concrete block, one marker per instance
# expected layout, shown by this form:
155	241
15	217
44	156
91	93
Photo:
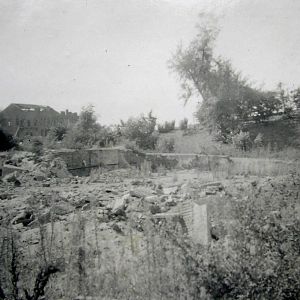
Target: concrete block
200	232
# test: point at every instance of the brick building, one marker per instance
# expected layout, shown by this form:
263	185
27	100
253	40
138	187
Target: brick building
33	120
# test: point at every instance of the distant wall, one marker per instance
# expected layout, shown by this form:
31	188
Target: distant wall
223	166
80	162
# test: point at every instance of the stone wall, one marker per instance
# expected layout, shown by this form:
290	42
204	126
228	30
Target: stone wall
79	160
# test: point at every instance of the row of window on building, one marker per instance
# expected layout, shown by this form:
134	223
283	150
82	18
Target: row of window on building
36	122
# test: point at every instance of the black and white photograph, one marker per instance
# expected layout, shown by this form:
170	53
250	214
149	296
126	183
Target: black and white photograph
149	149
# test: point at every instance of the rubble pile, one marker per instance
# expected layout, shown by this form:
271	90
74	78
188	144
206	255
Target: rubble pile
23	168
112	207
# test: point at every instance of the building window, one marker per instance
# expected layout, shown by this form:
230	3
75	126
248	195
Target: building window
28	123
35	122
9	123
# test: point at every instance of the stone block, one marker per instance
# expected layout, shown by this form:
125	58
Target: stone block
200	231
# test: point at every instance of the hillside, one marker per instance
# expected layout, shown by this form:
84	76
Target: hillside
281	139
279	134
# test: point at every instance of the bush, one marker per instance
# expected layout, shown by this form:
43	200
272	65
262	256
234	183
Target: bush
261	259
183	125
258	141
57	133
55	136
242	141
37	146
131	145
142	131
167	127
7	142
88	133
166	145
34	145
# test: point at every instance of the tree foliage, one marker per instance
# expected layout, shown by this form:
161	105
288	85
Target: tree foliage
166	127
87	132
183	125
7	142
141	130
228	99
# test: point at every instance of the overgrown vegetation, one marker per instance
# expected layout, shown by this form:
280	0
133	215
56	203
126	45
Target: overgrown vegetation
254	254
183	125
141	130
13	282
7	142
34	145
86	133
228	99
166	144
166	127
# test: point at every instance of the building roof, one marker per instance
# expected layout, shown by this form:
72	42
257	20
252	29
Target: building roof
31	107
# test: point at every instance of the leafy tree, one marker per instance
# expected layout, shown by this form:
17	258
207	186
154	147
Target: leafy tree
59	132
286	99
86	132
56	133
142	131
228	99
87	118
242	141
166	127
183	125
296	97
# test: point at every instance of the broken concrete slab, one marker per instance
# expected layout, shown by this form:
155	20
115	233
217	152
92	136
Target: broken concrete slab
170	190
120	205
200	225
25	218
8	169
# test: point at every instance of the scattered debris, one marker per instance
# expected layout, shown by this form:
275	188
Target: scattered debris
25	217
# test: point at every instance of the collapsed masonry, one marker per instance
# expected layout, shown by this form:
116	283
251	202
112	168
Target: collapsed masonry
194	218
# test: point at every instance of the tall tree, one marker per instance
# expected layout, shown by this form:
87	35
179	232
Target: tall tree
227	99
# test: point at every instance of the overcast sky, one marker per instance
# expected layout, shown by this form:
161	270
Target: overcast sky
113	53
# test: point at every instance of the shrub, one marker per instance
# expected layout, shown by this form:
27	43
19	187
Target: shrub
37	146
258	141
58	133
166	127
260	262
34	145
14	282
183	125
55	136
242	141
87	132
166	145
131	145
7	142
142	131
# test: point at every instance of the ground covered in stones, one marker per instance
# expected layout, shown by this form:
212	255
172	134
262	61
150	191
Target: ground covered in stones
53	214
